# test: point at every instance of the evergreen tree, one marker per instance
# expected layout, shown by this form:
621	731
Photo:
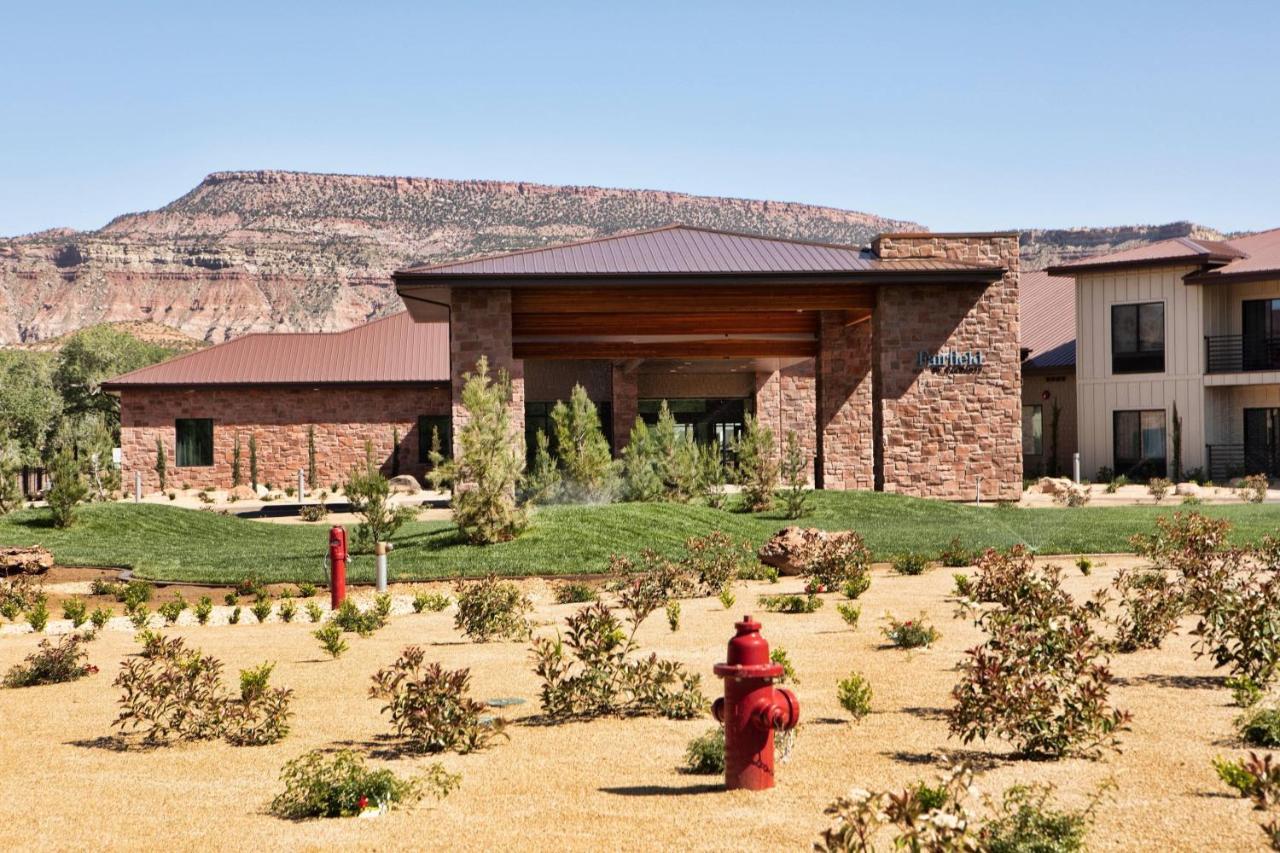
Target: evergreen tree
235	463
757	464
312	478
67	489
582	449
711	474
543	483
490	461
162	469
641	479
795	477
438	474
253	461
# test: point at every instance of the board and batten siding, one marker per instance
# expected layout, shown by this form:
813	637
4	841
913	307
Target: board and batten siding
1101	393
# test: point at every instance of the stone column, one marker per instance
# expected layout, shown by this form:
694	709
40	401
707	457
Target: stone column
846	447
480	324
786	401
626	404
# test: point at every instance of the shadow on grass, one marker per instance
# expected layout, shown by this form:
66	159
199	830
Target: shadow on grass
36	522
663	790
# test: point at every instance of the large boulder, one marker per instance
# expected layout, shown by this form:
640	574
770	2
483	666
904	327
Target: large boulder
242	493
15	560
790	549
404	484
1055	486
1189	489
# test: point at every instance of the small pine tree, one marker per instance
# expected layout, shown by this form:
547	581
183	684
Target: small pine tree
67	489
490	461
641	480
236	478
795	477
682	470
312	478
253	461
1176	442
665	434
543	483
395	451
757	464
162	470
711	474
438	475
583	451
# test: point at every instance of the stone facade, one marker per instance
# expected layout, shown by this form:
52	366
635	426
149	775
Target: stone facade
845	428
278	417
480	325
941	430
786	401
625	404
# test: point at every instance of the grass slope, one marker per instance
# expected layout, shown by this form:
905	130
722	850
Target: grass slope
166	543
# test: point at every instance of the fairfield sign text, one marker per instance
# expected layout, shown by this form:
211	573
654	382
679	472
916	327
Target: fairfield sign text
950	361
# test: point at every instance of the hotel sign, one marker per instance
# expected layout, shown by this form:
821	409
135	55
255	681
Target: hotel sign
951	361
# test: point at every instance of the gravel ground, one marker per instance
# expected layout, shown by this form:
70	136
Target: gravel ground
607	784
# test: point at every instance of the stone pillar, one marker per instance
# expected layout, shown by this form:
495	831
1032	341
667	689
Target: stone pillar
945	427
626	404
846	435
480	324
786	401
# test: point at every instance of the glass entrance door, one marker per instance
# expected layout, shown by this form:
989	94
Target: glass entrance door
1262	441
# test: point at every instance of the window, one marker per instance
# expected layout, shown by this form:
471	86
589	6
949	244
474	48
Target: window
427	424
194	442
1032	430
1140	443
1137	338
1261	327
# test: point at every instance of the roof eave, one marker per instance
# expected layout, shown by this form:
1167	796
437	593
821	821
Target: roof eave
1211	276
410	279
1204	259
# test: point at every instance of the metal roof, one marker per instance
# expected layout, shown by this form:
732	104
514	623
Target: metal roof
1260	259
393	349
1047	319
1179	250
683	249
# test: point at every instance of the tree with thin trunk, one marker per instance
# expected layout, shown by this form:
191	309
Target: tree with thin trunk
161	466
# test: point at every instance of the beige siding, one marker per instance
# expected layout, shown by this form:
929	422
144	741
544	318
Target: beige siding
1062	389
1100	393
1223	315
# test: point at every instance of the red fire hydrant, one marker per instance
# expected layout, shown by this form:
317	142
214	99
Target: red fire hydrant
752	709
337	566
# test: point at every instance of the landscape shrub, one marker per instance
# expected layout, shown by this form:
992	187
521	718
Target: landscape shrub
234	616
350	618
1194	547
1260	727
491	609
795	477
910	563
161	467
429	705
172	608
1158	487
716	560
1114	483
432	602
1041	679
306	589
854	695
855	587
955	555
1085	565
1151	603
962	585
1240	628
38	614
261	713
779	656
1026	821
659	578
288	609
1254	488
705	754
1245	692
370	495
339	784
850	613
910	633
790	603
100	617
250	585
1256	778
590	671
586	463
76	610
253	461
330	637
575	592
138	615
673	615
382	606
835	562
314	611
67	489
152	642
52	663
176	694
489	463
727	598
1001	575
313	512
261	609
203	609
757	465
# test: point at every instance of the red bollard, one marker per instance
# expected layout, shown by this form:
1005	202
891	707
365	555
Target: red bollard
337	566
752	709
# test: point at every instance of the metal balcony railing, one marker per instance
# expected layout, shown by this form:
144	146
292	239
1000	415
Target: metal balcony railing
1238	353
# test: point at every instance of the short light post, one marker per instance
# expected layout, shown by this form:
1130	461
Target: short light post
380	550
1075	467
302	484
137	486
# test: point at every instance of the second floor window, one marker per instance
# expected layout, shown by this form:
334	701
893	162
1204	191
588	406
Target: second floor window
1137	338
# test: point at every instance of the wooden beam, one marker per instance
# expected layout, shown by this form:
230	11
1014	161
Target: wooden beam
710	323
710	299
721	348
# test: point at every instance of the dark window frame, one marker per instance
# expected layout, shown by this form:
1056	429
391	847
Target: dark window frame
185	442
1136	356
1144	465
1039	407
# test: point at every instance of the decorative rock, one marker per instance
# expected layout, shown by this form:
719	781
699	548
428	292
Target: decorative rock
1055	485
25	561
405	484
242	493
789	549
1188	489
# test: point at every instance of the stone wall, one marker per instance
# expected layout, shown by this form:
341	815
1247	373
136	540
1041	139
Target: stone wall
480	325
942	430
846	435
786	401
625	404
279	417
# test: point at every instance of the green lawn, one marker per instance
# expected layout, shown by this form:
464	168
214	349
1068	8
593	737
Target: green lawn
166	543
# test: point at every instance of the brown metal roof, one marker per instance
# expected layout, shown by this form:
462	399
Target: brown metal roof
393	349
1177	251
682	249
1047	319
1261	260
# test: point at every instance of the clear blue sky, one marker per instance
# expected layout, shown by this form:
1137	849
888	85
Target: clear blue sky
957	115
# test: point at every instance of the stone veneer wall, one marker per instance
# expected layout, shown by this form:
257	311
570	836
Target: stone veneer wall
343	417
786	401
941	431
480	324
845	404
625	404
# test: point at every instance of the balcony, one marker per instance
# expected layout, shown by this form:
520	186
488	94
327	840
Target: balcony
1224	461
1239	354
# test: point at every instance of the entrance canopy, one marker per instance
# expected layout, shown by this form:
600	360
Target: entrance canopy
677	293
